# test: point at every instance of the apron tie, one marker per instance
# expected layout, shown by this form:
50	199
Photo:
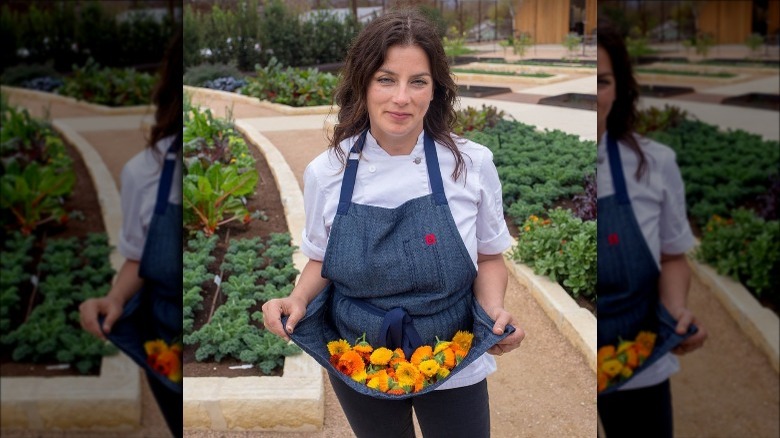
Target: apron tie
398	330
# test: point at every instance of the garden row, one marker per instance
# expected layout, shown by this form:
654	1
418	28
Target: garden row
732	195
45	275
229	270
549	191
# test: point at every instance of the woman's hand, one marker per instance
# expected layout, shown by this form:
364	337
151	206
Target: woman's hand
91	309
684	319
273	310
502	318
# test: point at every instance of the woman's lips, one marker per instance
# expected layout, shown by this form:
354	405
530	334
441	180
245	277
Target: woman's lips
399	116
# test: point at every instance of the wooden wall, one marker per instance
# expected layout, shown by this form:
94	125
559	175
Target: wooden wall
591	16
547	21
773	17
728	21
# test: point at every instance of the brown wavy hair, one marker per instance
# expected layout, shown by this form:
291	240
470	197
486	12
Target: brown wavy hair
167	95
367	53
623	116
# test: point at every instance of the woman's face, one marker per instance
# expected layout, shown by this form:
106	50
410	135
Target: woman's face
605	89
398	97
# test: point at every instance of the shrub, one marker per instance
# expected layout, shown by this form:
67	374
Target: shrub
472	119
746	248
109	86
291	86
19	74
200	74
561	247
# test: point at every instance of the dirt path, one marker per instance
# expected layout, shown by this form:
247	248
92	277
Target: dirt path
728	388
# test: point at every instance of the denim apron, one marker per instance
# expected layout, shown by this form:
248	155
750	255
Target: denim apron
402	276
155	312
627	282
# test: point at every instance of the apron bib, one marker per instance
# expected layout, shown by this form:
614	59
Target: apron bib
402	276
627	284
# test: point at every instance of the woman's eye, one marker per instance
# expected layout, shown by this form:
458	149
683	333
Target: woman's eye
385	80
420	82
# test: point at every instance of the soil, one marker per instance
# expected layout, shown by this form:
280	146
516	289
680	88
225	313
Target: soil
267	200
83	199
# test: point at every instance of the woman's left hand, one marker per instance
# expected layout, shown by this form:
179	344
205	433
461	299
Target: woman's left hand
502	318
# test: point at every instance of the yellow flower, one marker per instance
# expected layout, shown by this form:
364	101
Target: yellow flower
612	367
406	374
443	373
373	383
429	367
441	345
381	356
359	375
338	347
463	339
527	228
626	372
423	352
155	347
624	345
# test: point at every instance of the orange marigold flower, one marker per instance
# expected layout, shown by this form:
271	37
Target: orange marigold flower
396	391
624	345
155	347
420	383
363	348
167	362
429	367
605	352
441	345
446	358
334	360
463	339
422	353
612	367
406	374
350	362
646	339
381	356
338	347
384	381
632	357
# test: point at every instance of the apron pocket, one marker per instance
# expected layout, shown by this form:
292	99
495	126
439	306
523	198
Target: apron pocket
422	258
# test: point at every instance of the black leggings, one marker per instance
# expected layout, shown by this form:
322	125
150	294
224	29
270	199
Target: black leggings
451	413
643	412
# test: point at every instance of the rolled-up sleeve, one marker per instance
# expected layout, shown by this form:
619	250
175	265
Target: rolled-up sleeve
132	236
492	233
315	234
675	232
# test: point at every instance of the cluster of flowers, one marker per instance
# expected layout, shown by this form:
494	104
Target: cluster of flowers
536	221
164	359
717	221
618	364
390	371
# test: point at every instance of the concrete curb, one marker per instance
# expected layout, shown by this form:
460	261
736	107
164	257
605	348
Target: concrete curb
578	325
644	78
111	401
760	324
296	400
498	79
206	93
102	109
530	68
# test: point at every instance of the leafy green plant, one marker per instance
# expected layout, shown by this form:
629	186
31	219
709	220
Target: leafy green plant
571	42
563	248
521	44
291	86
703	43
33	196
473	119
202	73
745	247
455	46
655	119
212	196
754	42
638	47
108	86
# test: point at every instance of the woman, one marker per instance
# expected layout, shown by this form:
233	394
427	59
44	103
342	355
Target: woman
401	216
144	303
643	234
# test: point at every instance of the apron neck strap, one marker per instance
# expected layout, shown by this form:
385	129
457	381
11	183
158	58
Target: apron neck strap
616	167
166	179
350	173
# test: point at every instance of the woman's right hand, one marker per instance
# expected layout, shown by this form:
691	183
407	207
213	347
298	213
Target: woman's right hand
273	310
91	310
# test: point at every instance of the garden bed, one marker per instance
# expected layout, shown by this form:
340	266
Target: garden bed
571	100
754	100
651	90
481	91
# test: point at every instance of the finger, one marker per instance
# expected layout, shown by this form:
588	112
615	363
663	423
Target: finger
684	322
501	322
112	314
496	350
295	315
272	319
88	319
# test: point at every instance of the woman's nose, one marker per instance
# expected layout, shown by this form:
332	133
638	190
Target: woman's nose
401	95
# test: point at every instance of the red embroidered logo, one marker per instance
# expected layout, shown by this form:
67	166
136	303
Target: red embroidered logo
613	239
430	239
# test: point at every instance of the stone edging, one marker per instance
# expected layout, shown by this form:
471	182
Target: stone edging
296	400
101	109
530	68
110	401
460	78
578	325
206	93
760	324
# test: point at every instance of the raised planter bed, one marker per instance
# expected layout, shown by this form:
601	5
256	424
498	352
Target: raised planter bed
110	401
16	94
481	91
206	93
571	100
754	100
650	90
291	402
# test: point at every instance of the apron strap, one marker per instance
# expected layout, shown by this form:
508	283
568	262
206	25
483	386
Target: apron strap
616	167
350	173
434	171
166	179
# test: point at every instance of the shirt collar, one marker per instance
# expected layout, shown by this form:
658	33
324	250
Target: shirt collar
372	148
